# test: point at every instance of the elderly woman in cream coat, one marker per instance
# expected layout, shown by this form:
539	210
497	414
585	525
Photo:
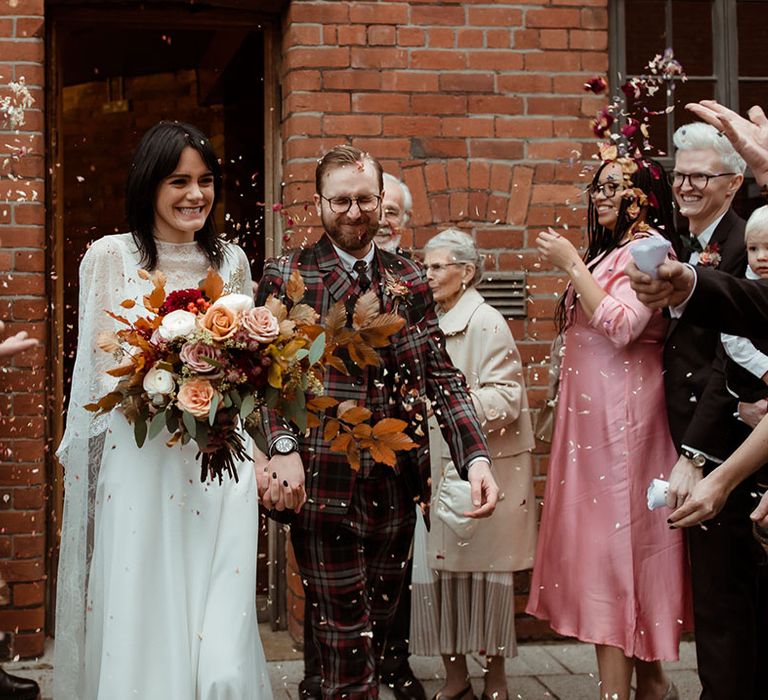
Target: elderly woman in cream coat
463	595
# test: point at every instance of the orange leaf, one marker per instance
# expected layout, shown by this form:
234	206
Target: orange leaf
295	287
335	319
353	455
121	370
320	403
355	415
143	274
382	453
387	426
363	355
361	431
341	442
128	304
121	319
303	315
312	420
212	286
331	430
398	441
366	309
338	364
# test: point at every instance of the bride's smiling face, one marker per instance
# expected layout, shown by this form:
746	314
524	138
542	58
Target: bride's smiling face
184	199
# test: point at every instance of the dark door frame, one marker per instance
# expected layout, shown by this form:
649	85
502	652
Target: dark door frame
216	14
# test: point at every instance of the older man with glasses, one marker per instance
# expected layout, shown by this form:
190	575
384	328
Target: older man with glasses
726	576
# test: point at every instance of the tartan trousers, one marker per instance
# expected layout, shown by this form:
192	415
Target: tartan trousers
353	570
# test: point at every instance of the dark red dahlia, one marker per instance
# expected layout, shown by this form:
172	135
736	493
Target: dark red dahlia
180	300
597	85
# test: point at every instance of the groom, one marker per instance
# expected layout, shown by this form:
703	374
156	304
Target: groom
353	535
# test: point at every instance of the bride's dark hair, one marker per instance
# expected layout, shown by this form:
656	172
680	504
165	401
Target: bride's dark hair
651	178
156	157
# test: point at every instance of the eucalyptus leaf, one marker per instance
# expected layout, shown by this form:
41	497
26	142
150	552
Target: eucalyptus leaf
140	431
171	420
157	423
317	349
201	438
227	401
214	407
234	395
271	396
301	354
189	423
247	406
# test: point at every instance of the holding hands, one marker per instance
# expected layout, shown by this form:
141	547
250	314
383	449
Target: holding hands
280	481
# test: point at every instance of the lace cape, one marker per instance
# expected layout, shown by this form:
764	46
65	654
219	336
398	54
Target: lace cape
108	275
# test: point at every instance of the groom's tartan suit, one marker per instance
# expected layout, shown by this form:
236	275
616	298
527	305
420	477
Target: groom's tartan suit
353	536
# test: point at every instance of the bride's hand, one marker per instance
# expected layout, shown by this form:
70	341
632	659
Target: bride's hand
261	469
557	250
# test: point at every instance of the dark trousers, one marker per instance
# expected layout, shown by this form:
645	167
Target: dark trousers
396	652
353	573
730	580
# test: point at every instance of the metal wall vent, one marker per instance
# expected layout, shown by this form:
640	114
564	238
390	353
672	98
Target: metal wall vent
506	292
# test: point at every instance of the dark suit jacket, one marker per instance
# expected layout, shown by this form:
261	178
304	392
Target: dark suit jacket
730	305
742	382
417	368
699	406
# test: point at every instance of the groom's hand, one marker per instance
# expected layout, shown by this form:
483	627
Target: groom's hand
672	286
286	483
485	492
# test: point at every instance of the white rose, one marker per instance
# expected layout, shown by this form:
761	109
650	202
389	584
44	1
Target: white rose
235	302
159	382
177	323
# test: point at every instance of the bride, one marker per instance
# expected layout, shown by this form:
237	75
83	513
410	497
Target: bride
157	572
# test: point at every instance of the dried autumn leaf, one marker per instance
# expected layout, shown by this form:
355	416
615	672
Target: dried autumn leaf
212	286
353	456
387	426
335	319
128	303
354	415
278	309
320	403
312	420
363	355
286	328
121	319
397	441
303	315
344	406
361	431
108	341
295	287
341	442
379	331
338	364
331	430
121	370
143	274
383	454
366	309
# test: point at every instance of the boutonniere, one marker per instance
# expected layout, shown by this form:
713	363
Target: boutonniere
398	290
710	256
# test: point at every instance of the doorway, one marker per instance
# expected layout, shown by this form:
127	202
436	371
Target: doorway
115	69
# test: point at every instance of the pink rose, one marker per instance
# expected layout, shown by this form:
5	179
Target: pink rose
195	396
260	324
193	355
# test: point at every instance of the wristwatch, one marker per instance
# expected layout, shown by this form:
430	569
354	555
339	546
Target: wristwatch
698	459
284	445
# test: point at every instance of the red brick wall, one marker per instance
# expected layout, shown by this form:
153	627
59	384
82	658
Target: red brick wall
23	306
478	105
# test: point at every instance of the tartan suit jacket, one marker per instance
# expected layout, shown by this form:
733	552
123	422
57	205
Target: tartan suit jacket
417	369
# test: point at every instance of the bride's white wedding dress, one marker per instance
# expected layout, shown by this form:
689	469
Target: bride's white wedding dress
168	563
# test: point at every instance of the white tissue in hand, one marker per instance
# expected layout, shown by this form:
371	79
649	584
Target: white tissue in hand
657	494
650	253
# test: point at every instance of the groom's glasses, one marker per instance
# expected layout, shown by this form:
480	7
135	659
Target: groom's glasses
697	181
341	205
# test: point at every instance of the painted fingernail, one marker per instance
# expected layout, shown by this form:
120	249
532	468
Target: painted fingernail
285	483
274	475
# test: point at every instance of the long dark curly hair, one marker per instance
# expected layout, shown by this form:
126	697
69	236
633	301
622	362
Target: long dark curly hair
651	178
156	158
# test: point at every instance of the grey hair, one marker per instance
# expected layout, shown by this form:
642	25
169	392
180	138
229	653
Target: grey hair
699	136
462	246
407	196
757	222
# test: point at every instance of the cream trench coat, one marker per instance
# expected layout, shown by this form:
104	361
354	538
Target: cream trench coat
481	345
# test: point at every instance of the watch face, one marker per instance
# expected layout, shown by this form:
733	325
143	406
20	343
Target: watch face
284	445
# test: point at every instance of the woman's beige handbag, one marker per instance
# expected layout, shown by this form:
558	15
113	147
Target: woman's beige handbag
454	498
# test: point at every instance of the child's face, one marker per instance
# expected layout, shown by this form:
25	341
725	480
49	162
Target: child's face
757	252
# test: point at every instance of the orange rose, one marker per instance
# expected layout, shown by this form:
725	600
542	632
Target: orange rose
221	322
195	396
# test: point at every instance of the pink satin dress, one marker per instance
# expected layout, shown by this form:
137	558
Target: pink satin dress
608	570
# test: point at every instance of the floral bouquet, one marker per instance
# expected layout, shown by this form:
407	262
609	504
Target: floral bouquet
202	364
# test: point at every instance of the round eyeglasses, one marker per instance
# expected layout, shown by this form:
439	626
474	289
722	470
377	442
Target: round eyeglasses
607	189
698	181
341	205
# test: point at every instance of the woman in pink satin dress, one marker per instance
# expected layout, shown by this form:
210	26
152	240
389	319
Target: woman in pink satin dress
608	570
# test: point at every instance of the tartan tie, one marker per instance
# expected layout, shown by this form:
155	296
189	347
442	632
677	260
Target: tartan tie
363	281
